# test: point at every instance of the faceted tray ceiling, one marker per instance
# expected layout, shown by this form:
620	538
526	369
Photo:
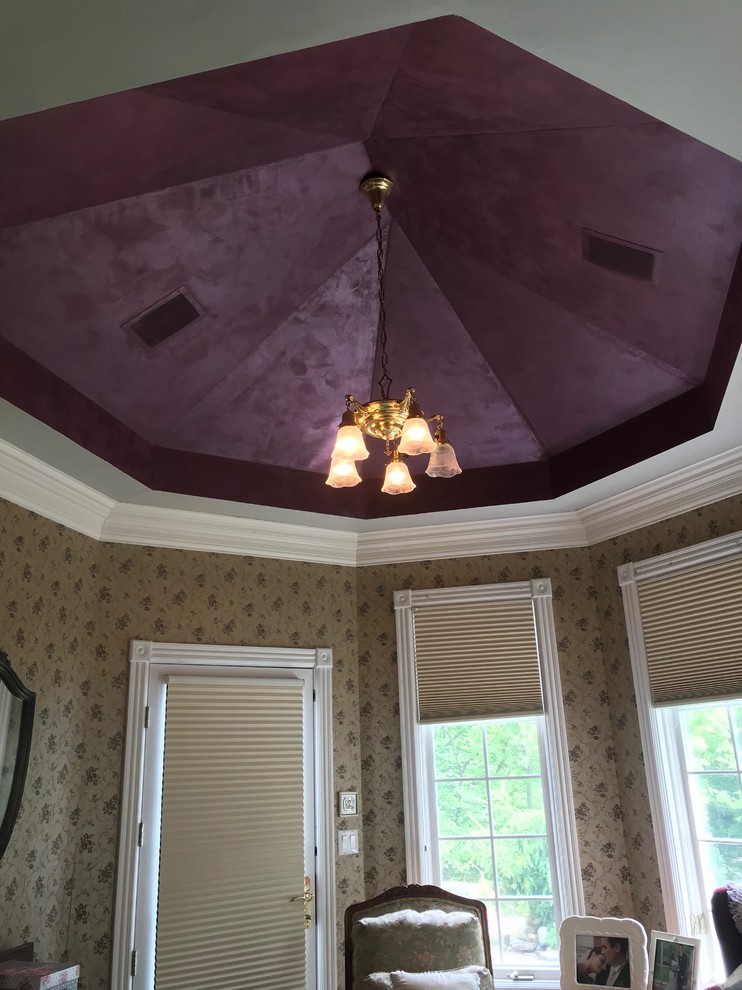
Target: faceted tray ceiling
239	187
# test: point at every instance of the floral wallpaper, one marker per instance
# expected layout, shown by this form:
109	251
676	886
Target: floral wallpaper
616	841
605	869
46	587
697	526
69	607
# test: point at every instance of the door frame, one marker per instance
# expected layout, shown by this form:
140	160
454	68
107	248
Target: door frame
142	655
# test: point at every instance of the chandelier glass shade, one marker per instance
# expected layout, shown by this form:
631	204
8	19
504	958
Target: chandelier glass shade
401	424
416	438
349	443
397	480
343	473
443	463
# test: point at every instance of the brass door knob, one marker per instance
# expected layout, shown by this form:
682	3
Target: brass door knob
307	897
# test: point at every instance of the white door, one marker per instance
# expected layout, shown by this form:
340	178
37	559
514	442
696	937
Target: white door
228	834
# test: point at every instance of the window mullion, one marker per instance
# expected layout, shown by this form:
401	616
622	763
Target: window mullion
685	851
431	859
493	857
735	747
680	820
733	734
556	885
680	736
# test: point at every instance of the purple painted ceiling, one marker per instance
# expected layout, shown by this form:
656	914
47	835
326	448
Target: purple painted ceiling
241	185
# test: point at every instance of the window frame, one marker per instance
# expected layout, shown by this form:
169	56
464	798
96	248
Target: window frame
685	900
419	797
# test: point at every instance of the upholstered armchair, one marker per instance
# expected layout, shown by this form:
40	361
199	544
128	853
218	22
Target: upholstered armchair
726	910
415	937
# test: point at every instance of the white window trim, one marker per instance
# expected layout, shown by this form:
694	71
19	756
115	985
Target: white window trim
568	892
682	892
142	654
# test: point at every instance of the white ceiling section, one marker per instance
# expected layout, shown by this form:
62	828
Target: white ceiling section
678	60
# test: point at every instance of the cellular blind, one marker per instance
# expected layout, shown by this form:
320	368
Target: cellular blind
692	623
232	853
476	660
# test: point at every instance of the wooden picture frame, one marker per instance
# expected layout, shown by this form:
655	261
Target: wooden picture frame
590	947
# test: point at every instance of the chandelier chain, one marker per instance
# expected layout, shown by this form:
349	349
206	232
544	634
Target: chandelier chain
385	381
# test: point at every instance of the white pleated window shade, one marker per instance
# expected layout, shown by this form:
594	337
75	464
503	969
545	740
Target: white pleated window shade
692	624
232	846
477	660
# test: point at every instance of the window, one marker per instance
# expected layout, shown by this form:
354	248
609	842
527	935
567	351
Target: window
712	747
684	616
486	777
492	838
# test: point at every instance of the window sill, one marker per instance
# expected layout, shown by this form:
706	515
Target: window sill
536	984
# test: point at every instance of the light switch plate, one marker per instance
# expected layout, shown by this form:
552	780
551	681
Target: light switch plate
347	841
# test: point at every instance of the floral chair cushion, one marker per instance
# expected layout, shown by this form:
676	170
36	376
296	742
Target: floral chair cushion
416	941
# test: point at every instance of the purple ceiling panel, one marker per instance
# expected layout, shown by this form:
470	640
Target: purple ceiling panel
283	403
29	386
336	90
457	78
113	147
432	351
547	359
251	247
239	188
527	197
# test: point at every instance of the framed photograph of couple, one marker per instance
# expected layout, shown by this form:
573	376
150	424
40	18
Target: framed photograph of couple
603	952
673	961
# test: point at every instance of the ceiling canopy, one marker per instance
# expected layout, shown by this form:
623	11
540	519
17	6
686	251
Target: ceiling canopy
187	271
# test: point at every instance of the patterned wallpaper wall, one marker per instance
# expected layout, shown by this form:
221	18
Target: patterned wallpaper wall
617	850
69	607
694	527
46	628
604	863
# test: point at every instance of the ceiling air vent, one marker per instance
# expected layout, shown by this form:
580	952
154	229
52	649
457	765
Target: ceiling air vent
167	317
621	256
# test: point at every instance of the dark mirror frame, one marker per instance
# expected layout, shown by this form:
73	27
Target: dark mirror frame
12	682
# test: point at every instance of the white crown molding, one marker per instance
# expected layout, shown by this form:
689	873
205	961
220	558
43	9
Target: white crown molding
472	539
34	485
710	480
179	528
29	482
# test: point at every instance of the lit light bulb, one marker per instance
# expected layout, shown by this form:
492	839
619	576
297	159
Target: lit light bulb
416	438
343	474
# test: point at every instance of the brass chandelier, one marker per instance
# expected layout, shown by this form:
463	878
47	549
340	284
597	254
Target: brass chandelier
402	425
